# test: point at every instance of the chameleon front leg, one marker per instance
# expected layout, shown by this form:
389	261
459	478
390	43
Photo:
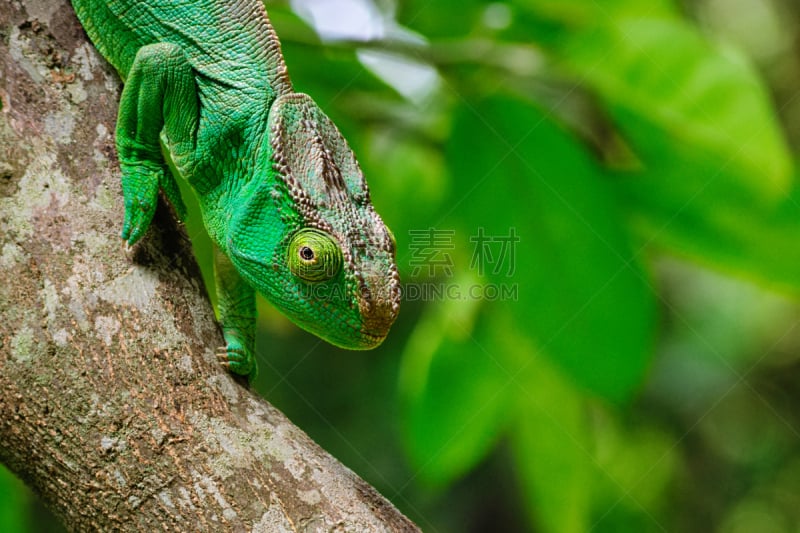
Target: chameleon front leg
160	95
236	302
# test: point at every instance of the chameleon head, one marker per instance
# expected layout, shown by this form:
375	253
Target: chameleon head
308	237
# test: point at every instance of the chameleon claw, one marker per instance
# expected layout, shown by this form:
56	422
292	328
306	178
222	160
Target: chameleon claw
136	234
225	365
236	360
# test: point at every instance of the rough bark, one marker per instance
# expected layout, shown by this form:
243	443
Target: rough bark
112	406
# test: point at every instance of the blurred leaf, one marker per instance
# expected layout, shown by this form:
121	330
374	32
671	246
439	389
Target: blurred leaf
443	18
403	172
634	466
455	392
716	228
582	295
686	202
14	503
330	74
666	87
583	12
551	446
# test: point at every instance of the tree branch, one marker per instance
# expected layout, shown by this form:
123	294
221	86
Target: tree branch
112	405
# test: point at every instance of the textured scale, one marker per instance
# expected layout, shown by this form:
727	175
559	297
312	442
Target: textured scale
277	183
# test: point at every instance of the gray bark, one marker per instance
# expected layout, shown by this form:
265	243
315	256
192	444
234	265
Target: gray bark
112	406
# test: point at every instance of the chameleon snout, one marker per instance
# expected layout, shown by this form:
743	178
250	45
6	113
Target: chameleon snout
379	308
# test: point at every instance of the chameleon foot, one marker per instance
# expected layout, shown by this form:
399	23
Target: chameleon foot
237	360
140	188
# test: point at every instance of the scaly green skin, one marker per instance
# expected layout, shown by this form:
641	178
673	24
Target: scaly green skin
281	193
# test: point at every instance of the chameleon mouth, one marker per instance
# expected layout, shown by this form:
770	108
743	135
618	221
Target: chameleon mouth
363	341
373	339
367	340
376	321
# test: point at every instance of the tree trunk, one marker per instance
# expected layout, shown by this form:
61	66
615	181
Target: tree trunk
112	406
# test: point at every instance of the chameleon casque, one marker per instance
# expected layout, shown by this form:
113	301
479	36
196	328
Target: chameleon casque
281	193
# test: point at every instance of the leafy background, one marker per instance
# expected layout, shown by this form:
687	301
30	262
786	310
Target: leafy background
643	374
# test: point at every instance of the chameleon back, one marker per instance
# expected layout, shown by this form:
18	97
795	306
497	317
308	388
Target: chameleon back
230	42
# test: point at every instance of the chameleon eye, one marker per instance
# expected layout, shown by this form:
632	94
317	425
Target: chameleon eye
306	253
314	255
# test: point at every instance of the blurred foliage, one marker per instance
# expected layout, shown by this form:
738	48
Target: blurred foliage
14	503
618	388
640	372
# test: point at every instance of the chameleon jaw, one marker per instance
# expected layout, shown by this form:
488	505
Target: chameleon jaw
363	341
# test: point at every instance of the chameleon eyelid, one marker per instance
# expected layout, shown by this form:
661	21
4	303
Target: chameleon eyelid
326	255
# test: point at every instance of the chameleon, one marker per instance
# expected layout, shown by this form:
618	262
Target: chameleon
280	191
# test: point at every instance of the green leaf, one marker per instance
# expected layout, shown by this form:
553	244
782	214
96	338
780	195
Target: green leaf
582	295
583	12
15	502
633	468
716	228
552	448
455	392
403	171
666	86
684	202
440	19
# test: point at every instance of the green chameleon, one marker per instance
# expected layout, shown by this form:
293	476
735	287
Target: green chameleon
281	193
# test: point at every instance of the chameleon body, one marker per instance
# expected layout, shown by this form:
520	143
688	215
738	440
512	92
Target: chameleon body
281	193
